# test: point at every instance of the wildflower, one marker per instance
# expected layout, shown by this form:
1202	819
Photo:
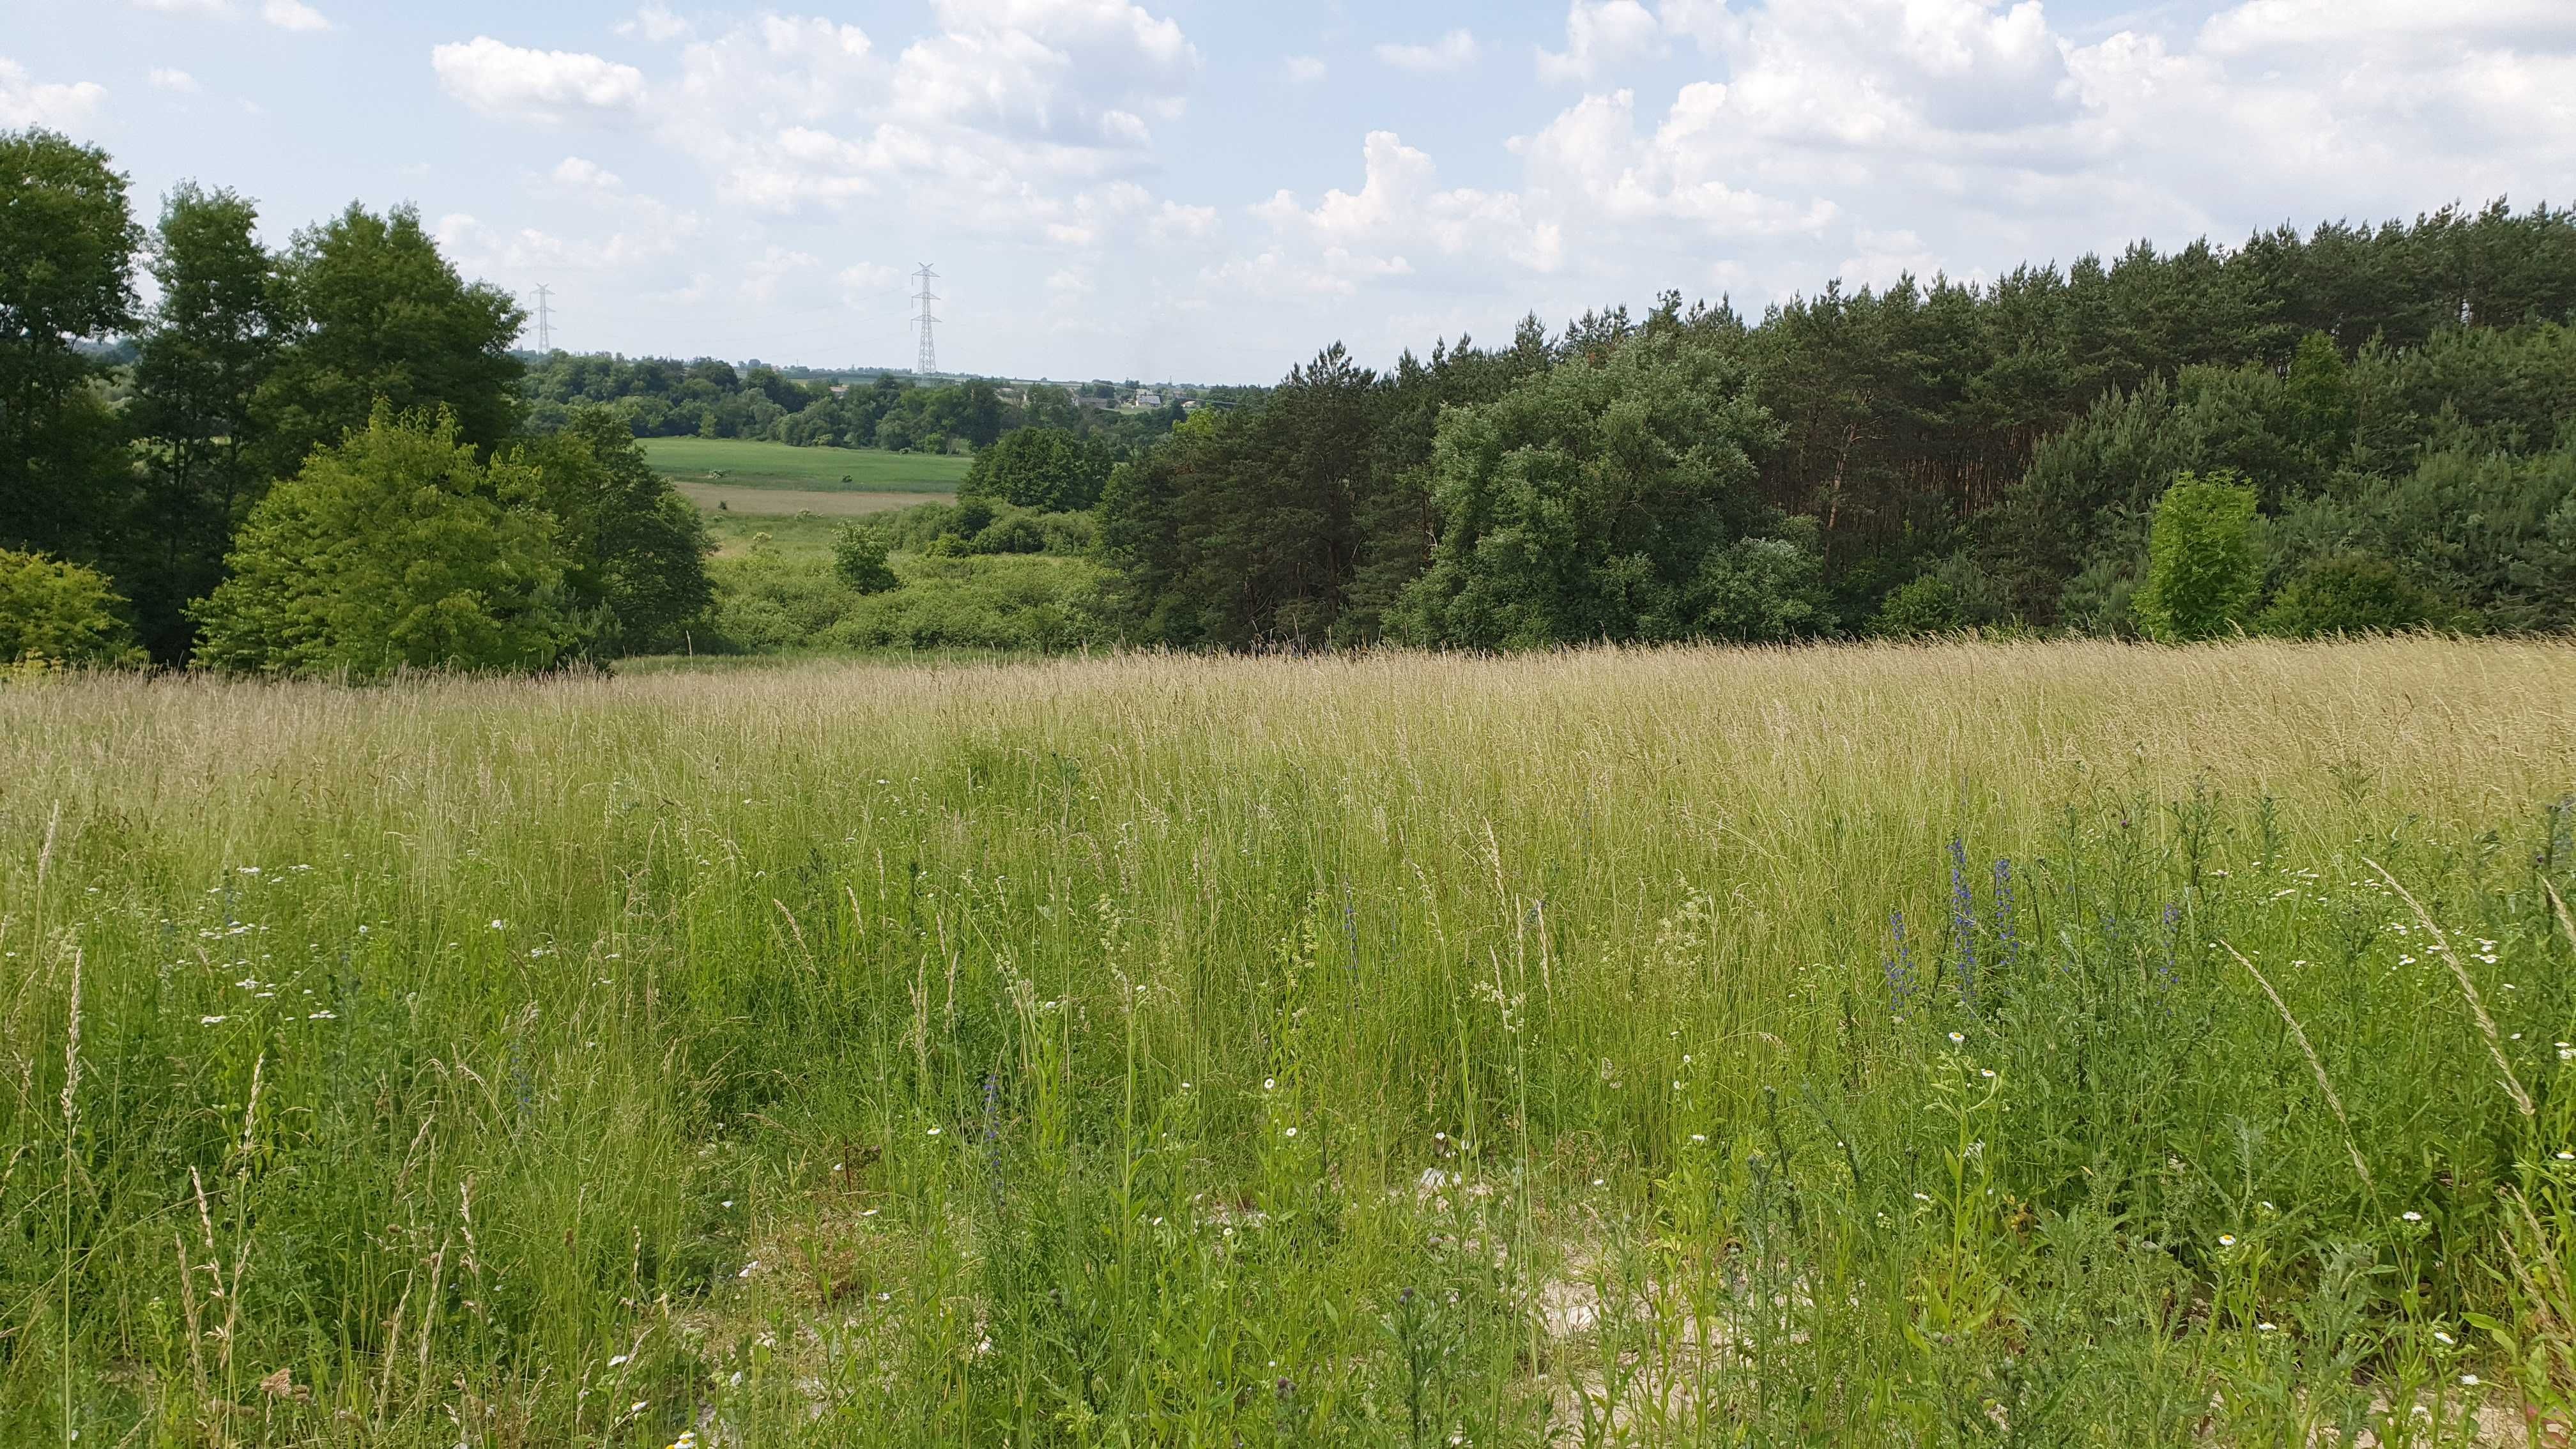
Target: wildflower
2567	1156
1987	1072
617	1361
2469	1380
1677	1084
934	1131
728	1202
1957	1040
1699	1137
749	1268
2445	1339
689	1437
2267	1328
2227	1240
1269	1084
250	870
324	1016
872	1212
500	925
1923	1197
212	1020
1598	1182
1292	1131
2413	1217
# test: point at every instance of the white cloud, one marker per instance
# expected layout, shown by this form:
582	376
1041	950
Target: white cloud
293	15
1399	210
579	176
163	78
656	24
24	103
869	284
500	79
1453	51
1599	34
1303	69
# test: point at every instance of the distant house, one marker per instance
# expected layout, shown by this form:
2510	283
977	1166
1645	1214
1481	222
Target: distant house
1146	397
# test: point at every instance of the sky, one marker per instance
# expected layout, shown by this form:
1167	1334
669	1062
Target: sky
1213	190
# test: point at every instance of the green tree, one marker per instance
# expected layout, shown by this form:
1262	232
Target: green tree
214	339
396	549
379	316
67	244
2204	562
1587	502
1047	469
859	559
635	550
60	613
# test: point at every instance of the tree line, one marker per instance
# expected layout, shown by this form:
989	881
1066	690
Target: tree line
314	459
710	398
2399	400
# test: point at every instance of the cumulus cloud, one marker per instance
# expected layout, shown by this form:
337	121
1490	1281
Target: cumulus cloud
293	15
1456	50
1400	210
656	24
499	79
1600	34
25	103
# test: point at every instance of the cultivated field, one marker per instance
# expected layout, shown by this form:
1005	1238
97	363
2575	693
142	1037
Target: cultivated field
1940	1045
819	470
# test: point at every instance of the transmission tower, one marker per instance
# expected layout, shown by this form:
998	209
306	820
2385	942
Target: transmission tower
927	322
545	321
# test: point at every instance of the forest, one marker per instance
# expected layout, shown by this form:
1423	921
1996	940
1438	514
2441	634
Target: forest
330	457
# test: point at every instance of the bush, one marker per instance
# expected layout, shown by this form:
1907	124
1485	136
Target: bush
60	613
859	559
2204	570
2354	593
1927	605
397	549
767	603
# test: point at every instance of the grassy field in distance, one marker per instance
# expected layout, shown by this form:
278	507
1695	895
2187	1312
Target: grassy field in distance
776	465
1932	1045
758	502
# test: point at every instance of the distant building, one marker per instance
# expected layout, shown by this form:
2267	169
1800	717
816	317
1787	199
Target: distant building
1146	397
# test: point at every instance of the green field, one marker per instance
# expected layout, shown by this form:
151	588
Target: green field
822	470
1949	1045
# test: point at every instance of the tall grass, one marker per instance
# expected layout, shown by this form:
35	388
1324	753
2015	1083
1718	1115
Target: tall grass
1679	1047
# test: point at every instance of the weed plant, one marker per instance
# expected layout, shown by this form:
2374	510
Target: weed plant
1943	1045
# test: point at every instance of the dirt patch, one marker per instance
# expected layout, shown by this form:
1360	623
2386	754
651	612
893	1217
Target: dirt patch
788	502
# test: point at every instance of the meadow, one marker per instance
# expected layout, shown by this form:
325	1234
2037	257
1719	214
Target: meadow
737	463
1964	1043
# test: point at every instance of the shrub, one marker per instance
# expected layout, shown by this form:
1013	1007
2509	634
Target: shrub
2354	593
859	559
60	613
2204	570
1927	605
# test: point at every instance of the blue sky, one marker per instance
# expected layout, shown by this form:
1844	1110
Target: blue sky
1211	190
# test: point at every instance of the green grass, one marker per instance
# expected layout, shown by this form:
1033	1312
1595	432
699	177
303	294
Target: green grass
821	470
1401	1051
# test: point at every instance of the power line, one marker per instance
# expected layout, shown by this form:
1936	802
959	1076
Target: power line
545	320
927	321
